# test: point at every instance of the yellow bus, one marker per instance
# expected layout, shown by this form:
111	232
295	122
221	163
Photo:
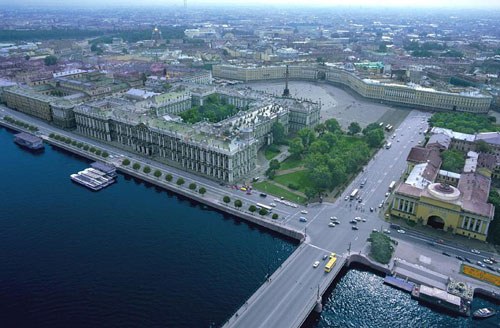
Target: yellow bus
331	263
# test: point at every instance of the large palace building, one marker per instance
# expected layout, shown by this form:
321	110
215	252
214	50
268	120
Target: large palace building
398	94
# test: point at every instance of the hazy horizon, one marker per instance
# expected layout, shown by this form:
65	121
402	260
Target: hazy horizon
449	4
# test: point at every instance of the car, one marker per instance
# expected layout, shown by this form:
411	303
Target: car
355	227
440	241
249	192
346	198
353	221
295	205
374	230
467	260
387	194
387	231
315	264
491	268
263	194
303	212
363	219
302	219
272	204
398	140
401	231
332	255
458	257
475	251
256	179
492	259
336	222
357	218
243	189
282	197
488	261
325	257
445	254
481	264
331	224
360	200
333	218
371	209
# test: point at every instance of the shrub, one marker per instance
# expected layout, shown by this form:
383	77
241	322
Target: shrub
202	191
169	177
74	143
180	181
86	147
105	154
67	141
98	152
79	145
192	186
262	211
92	149
293	186
146	169
252	208
238	203
136	166
226	199
275	216
126	162
157	173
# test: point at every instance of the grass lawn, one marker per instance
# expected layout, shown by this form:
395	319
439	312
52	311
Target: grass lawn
290	163
274	190
270	153
298	178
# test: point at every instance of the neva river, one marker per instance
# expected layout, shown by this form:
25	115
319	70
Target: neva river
132	255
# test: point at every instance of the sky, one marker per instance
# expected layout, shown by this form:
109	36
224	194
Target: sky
323	3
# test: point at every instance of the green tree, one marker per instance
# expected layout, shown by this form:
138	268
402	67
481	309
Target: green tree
180	181
126	162
202	191
310	193
382	47
354	128
275	216
453	160
105	154
50	60
333	125
147	169
157	173
136	166
169	177
374	138
482	146
274	164
98	152
192	186
226	199
307	136
238	203
320	146
278	131
262	211
252	208
296	147
371	127
320	128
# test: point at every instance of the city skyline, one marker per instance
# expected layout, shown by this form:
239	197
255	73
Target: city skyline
300	3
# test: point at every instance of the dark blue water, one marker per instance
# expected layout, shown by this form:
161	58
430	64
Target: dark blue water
127	256
132	255
360	299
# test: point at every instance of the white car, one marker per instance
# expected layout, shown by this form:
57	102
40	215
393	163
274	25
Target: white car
357	218
346	198
272	204
488	261
387	194
401	231
363	219
315	264
331	224
333	218
303	212
475	251
380	205
387	231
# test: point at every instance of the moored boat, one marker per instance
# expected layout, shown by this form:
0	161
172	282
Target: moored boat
484	313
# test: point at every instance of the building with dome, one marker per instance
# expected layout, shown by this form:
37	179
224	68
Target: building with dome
456	203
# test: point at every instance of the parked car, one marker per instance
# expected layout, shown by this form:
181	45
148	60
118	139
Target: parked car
303	212
490	267
445	254
302	219
492	259
488	261
481	264
355	227
325	257
467	260
401	231
387	231
263	195
353	221
315	264
460	258
371	209
331	224
475	251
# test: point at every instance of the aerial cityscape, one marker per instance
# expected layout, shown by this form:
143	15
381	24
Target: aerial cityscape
254	164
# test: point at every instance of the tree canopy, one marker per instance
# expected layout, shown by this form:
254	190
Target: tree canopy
464	122
453	160
214	110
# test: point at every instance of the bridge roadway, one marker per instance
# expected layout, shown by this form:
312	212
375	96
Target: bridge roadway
290	294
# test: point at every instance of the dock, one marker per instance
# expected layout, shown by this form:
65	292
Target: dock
399	283
29	141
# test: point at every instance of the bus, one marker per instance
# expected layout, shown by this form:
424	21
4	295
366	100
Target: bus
354	193
268	208
392	185
331	263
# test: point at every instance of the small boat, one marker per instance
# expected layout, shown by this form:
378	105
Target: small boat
484	313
